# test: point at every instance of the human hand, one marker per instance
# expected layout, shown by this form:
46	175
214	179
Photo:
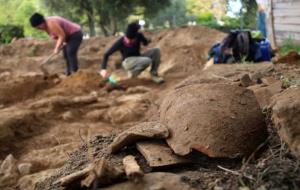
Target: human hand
55	51
104	73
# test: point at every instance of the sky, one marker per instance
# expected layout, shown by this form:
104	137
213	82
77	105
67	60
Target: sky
234	7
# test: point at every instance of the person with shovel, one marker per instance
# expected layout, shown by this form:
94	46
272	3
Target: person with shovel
133	61
68	35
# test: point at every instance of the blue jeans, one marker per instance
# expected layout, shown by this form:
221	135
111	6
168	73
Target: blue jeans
261	23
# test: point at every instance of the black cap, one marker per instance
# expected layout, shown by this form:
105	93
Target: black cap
132	30
36	19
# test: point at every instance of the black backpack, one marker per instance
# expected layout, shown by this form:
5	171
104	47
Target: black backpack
240	42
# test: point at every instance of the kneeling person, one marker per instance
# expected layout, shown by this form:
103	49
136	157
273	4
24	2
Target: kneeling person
133	61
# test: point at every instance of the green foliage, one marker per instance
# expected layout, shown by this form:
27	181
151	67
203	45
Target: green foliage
249	16
207	19
194	7
8	32
111	16
289	45
171	16
17	12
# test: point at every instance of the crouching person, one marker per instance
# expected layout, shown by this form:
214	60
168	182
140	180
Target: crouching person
133	61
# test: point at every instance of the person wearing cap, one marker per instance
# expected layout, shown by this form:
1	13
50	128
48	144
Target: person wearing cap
133	61
68	35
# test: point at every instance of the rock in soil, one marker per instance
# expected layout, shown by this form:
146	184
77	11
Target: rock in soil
25	168
8	172
286	114
220	120
291	58
159	154
139	132
264	94
246	81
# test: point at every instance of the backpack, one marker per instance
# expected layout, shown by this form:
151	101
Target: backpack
218	55
238	41
244	48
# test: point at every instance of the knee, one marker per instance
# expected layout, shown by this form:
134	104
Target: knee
156	53
146	62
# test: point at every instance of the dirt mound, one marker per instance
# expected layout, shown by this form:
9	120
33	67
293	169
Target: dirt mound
292	57
16	89
286	114
264	93
45	129
228	73
80	82
27	48
220	120
185	49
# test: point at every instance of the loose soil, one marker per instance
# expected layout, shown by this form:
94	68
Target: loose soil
59	124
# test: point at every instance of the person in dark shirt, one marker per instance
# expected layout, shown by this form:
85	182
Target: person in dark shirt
133	61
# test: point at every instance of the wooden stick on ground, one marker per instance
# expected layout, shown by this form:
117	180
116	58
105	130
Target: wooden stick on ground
208	64
132	169
103	173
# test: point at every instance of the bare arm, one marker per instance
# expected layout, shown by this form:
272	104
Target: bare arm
56	29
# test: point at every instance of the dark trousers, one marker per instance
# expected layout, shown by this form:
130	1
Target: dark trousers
70	52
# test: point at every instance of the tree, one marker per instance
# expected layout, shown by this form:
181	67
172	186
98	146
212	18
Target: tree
114	13
249	16
76	10
20	16
175	14
199	7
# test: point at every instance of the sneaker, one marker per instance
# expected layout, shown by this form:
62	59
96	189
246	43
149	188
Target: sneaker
157	79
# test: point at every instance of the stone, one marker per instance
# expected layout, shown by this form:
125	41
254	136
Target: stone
246	81
8	172
159	154
67	116
142	131
25	168
264	94
285	116
219	120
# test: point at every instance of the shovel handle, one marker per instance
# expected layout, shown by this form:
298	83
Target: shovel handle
48	59
51	56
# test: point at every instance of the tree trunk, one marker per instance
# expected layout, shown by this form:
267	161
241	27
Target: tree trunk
86	5
104	29
91	24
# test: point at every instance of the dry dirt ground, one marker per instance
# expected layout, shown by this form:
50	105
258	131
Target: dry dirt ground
52	126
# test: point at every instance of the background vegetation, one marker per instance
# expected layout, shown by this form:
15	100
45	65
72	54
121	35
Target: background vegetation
106	17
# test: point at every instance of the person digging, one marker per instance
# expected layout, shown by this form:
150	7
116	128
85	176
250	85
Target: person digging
133	61
68	35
